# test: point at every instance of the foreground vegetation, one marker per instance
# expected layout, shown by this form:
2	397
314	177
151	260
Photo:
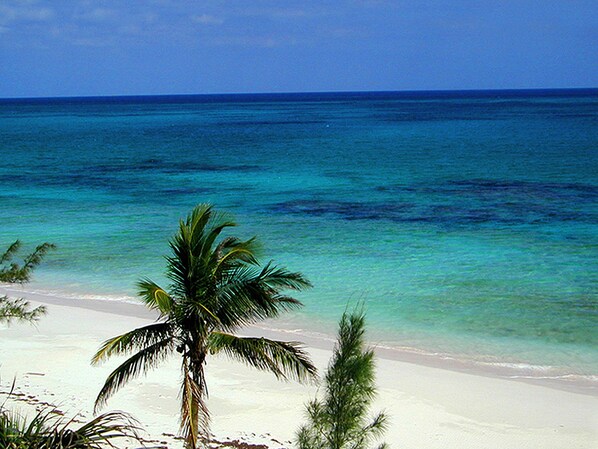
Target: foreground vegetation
216	287
18	309
48	430
340	419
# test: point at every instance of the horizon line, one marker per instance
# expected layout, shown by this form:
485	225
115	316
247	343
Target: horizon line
293	93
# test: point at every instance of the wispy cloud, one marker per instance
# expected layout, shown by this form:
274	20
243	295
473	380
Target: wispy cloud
12	12
149	17
245	41
275	12
92	42
207	19
98	14
130	30
81	22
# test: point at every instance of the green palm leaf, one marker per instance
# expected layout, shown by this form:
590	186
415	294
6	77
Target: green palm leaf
139	363
233	253
248	295
284	359
48	430
136	339
155	297
98	433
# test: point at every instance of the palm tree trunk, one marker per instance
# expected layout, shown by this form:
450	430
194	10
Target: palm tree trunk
194	400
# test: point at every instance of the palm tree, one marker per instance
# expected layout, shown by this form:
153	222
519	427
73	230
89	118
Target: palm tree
339	420
216	287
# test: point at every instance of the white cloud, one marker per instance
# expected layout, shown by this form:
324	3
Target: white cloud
245	41
150	17
96	42
98	14
23	12
276	12
207	19
131	30
55	31
288	13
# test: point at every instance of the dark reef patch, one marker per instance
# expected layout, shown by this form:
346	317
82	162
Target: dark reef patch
156	165
270	122
460	203
525	188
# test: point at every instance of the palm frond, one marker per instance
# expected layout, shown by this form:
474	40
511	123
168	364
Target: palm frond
196	222
199	309
100	432
134	340
280	278
17	431
284	359
205	251
155	297
247	295
179	267
233	253
139	363
48	430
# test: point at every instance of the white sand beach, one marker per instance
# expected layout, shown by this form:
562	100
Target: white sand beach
429	407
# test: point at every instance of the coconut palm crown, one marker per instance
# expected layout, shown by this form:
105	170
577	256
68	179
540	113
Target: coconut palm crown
217	286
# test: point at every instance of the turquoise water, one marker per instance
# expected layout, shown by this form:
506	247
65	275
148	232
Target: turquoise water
466	222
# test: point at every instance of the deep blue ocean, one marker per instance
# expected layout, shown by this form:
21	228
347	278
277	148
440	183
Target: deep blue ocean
466	222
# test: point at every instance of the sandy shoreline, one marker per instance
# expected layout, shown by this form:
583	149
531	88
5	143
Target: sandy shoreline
325	340
430	407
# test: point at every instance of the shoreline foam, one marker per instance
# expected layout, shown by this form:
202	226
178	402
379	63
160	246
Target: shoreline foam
543	375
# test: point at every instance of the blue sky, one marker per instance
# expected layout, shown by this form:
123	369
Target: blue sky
62	48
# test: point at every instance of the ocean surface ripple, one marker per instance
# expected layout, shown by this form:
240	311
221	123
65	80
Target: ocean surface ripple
466	222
